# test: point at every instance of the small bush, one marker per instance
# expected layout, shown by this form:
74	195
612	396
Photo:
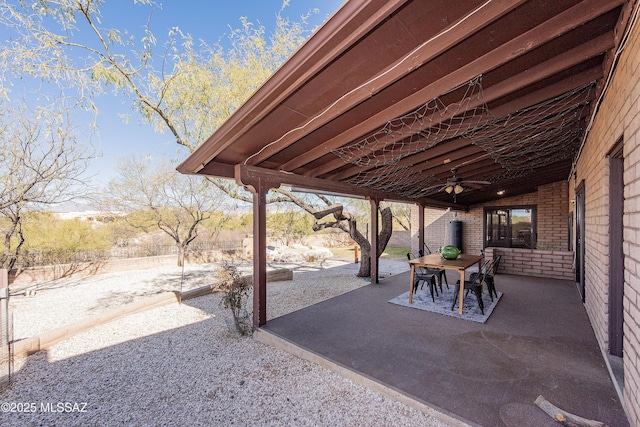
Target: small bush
236	295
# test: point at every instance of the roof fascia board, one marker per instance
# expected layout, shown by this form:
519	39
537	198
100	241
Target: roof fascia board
247	175
474	21
297	70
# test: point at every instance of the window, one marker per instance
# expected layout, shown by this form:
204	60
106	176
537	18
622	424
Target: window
510	227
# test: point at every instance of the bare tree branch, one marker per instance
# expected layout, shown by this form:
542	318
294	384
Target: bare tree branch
40	164
157	196
195	91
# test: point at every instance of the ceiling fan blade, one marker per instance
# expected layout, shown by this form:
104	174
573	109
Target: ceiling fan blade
472	185
438	187
476	182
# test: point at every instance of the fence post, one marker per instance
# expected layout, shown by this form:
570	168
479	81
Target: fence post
4	306
6	359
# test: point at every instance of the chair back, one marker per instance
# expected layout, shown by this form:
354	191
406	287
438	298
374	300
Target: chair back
421	271
478	278
496	263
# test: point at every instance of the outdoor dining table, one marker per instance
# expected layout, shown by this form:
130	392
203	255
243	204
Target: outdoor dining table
459	264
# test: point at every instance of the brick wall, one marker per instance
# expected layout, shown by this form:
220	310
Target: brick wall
553	216
617	118
552	204
551	259
436	222
532	262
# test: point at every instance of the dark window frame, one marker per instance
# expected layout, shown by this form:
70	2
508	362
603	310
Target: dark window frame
509	238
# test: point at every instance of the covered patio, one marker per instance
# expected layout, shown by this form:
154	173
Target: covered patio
538	341
450	105
435	103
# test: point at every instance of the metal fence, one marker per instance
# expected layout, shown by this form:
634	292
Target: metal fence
6	332
43	258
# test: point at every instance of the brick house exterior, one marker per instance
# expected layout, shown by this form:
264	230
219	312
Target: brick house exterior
587	210
618	119
616	123
552	259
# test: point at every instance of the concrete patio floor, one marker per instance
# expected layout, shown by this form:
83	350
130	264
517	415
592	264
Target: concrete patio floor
538	341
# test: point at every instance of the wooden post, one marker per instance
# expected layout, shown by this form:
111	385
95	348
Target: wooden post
420	227
259	186
260	257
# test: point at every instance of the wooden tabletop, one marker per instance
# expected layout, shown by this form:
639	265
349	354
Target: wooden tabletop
436	261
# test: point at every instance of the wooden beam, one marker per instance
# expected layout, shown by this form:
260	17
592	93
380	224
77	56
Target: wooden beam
549	92
248	174
469	24
329	42
420	226
442	154
216	169
446	152
259	185
455	159
484	163
259	254
549	30
540	72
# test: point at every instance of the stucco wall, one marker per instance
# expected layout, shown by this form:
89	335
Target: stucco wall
618	117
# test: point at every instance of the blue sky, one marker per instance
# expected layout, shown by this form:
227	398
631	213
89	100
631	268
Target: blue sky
203	19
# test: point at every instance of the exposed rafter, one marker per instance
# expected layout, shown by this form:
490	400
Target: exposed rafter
360	82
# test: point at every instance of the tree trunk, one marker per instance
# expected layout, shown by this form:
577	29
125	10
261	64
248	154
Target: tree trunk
365	261
181	251
386	229
365	246
10	256
340	217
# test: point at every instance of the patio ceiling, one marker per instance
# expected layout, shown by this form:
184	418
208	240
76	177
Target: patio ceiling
387	97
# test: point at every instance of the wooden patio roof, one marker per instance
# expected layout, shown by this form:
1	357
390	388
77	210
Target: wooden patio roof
388	96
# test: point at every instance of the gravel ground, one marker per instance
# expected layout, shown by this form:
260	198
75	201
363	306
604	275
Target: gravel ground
182	364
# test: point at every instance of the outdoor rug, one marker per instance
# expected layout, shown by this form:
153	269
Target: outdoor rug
442	305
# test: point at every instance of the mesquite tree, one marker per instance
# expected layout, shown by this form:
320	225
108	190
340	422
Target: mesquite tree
155	196
41	163
186	88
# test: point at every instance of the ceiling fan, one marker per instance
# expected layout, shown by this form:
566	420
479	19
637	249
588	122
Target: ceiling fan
457	185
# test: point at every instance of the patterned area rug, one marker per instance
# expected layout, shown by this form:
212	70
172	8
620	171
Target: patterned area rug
442	305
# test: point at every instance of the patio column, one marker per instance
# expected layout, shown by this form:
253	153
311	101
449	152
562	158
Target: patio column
259	186
420	226
374	239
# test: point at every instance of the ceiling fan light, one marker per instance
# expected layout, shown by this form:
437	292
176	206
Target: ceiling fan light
458	189
449	189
